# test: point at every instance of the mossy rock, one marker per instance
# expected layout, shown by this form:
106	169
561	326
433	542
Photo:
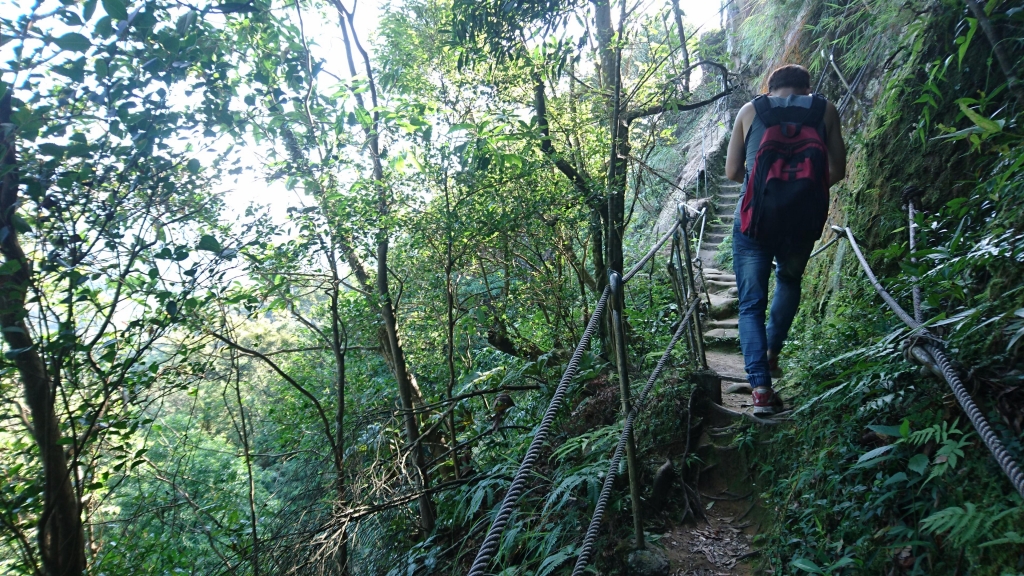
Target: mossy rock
647	563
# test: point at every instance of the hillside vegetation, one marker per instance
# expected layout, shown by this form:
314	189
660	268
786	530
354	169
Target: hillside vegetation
346	381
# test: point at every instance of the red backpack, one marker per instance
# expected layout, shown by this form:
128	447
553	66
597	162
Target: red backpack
786	191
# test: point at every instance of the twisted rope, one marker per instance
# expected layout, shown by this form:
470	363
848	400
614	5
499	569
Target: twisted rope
587	548
490	545
900	312
825	246
988	436
929	344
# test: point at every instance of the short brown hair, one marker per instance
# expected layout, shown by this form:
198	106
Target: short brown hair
789	76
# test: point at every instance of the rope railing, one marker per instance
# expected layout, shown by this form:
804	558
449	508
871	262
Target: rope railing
839	236
490	545
587	547
927	349
489	548
703	217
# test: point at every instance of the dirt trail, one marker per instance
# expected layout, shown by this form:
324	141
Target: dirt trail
722	544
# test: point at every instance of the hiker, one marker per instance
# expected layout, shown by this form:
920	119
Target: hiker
787	150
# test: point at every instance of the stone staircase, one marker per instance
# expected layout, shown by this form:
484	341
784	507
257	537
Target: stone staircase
721	331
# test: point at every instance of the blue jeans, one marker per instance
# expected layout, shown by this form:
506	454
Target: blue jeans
752	263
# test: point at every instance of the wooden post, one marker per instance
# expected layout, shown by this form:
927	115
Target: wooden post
616	301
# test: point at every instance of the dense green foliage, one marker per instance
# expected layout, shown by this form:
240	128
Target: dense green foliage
227	390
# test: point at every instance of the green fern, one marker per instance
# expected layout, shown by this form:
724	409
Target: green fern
970	524
938	433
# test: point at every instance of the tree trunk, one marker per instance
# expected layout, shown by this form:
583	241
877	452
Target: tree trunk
412	432
339	346
605	33
61	539
678	13
405	382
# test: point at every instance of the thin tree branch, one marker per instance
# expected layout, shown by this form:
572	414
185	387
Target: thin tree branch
673	106
302	390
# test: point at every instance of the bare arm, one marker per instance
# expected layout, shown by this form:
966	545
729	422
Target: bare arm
836	146
737	152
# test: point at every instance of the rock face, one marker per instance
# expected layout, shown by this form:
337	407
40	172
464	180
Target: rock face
711	134
647	563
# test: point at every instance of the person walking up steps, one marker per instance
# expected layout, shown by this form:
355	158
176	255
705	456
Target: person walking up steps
787	150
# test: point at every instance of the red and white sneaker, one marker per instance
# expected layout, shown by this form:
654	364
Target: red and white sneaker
766	401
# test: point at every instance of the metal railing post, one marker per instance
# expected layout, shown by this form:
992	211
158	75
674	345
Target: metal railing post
911	225
700	237
691	288
616	301
679	286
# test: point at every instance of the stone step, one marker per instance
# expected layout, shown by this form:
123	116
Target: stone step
722	306
731	292
710	245
715	287
719	276
725	323
712	272
729	196
727	184
738	388
726	217
707	255
726	208
730	334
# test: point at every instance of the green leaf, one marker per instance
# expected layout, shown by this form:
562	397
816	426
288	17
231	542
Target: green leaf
74	70
51	149
172	307
973	23
9	267
918	463
117	9
988	125
554	561
806	565
88	9
842	563
209	244
20	225
1007	538
893	431
193	166
73	42
896	478
875	453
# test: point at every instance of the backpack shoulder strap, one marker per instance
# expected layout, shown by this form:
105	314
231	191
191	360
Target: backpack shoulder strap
763	109
816	114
